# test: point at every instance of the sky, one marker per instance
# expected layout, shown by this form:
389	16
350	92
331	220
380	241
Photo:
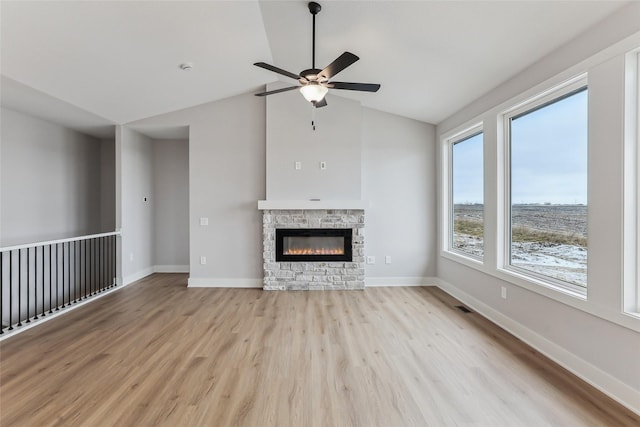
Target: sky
548	156
468	170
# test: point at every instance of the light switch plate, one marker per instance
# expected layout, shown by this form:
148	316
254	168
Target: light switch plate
204	221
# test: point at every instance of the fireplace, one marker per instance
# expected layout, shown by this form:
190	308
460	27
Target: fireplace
336	262
313	244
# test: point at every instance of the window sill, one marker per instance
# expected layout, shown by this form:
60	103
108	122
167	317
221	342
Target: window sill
527	279
573	299
463	258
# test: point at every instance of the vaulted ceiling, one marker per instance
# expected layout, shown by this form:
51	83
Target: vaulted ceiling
119	60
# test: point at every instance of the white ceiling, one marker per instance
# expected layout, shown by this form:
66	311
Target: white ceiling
119	59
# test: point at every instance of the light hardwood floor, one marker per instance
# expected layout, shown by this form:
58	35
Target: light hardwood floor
158	353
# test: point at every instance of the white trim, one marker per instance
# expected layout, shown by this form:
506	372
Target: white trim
137	275
627	320
170	268
631	197
546	97
447	141
313	204
53	242
372	282
609	385
217	282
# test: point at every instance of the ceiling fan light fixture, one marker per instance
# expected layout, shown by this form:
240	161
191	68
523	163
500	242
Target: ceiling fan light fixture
313	92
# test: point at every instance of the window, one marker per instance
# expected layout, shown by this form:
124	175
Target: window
547	197
466	231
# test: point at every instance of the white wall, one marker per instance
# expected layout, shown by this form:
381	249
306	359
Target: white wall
107	185
393	157
155	233
137	216
171	205
385	159
399	180
226	179
52	182
336	141
592	338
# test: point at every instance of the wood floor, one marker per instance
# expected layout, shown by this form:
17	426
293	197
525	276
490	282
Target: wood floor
159	353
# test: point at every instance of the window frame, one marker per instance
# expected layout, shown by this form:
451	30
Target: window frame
531	104
631	224
448	211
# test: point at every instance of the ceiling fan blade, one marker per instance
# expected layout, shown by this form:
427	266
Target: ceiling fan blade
342	62
271	92
321	103
364	87
277	70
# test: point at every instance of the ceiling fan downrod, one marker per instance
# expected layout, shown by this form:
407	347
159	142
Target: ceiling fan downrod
314	8
314	83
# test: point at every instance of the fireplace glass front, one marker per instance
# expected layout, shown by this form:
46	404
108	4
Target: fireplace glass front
313	244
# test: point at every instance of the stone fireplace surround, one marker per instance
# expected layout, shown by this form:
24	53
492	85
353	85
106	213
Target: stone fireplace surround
313	275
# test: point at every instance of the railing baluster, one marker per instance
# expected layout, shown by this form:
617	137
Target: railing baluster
102	264
57	275
115	260
62	279
99	272
85	268
35	283
10	290
50	280
75	273
43	309
94	265
69	273
91	267
28	305
110	249
19	287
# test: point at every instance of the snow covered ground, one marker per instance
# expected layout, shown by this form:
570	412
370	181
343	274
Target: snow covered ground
564	262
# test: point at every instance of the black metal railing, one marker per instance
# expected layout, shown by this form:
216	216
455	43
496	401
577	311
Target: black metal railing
39	279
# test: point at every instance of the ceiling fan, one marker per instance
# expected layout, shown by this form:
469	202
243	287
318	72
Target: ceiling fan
315	83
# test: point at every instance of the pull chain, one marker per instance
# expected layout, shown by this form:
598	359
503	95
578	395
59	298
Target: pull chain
313	117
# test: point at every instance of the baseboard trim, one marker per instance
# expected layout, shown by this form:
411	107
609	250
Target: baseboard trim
609	385
372	282
137	275
216	282
170	268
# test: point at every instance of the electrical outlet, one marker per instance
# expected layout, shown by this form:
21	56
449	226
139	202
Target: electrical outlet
323	165
387	259
203	260
298	166
204	221
503	292
371	260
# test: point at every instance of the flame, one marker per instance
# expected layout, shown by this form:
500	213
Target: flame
317	251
